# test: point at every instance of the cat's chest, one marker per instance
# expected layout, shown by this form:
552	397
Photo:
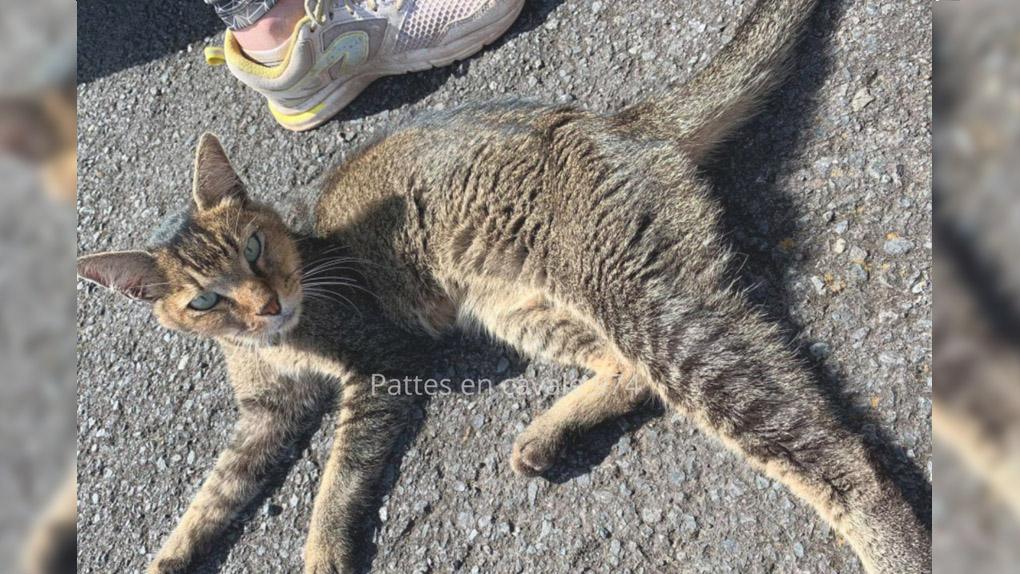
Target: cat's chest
291	362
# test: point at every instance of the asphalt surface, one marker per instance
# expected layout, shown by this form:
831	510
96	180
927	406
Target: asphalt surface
828	194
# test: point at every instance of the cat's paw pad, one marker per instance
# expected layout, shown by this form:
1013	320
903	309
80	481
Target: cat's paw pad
533	456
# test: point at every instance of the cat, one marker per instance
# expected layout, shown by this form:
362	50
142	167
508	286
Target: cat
585	239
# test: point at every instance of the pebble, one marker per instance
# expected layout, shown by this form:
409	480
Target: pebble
651	515
861	99
615	547
858	254
897	246
839	246
688	523
818	284
820	350
841	226
858	273
502	365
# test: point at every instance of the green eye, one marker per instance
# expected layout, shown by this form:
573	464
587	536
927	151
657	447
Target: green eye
252	249
205	301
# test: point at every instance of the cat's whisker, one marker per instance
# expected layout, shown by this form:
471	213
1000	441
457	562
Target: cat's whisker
327	265
326	272
346	284
332	296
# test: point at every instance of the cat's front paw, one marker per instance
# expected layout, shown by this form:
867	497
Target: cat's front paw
168	565
324	558
535	452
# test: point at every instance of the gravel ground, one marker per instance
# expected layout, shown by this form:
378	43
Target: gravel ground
828	195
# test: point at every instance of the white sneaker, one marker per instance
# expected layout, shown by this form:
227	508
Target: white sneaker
341	46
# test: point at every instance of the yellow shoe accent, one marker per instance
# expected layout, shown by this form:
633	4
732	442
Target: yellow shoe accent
237	58
295	118
214	56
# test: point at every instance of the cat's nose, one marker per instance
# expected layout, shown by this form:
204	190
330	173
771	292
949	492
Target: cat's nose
272	306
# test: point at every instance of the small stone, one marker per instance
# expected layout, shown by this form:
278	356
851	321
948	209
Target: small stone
820	350
384	514
861	99
858	273
614	547
890	358
818	284
798	549
841	226
651	515
191	457
502	365
919	287
624	445
896	245
688	523
839	246
858	254
183	363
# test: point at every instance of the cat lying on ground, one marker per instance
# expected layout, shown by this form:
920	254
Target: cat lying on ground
585	239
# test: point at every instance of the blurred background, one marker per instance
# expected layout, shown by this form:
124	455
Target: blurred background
37	342
976	504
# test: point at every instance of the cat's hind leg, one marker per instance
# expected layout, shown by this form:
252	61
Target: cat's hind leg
611	392
539	327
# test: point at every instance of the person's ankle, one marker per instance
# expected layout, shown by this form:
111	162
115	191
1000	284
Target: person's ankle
273	29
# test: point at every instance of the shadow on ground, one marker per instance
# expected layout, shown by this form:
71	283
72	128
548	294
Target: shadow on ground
770	140
115	35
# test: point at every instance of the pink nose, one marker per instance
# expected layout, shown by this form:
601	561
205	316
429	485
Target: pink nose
272	306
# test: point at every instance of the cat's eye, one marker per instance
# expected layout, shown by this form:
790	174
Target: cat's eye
253	248
204	301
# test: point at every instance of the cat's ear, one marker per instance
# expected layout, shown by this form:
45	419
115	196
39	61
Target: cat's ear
133	274
215	180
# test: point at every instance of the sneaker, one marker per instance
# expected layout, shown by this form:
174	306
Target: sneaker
341	46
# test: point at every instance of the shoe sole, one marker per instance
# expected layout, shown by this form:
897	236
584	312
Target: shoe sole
343	95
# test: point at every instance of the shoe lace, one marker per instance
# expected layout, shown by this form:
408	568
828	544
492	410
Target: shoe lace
320	10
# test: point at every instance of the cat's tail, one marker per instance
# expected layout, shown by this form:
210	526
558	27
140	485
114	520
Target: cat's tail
721	363
704	111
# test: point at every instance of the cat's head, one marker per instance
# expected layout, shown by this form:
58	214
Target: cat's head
225	267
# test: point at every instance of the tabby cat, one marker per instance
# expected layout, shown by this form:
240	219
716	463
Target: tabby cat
585	239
